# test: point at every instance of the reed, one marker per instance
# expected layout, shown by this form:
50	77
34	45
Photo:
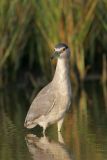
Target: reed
30	29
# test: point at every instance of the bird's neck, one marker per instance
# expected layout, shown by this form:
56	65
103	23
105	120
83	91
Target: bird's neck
62	72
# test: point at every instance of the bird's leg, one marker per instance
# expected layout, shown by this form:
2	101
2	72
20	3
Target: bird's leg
60	124
60	138
44	131
44	128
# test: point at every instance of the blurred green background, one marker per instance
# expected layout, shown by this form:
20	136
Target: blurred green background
30	29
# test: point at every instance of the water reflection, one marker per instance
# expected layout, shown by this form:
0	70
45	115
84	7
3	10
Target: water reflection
84	129
46	149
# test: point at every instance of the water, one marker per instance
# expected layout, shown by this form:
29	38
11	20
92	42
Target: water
84	132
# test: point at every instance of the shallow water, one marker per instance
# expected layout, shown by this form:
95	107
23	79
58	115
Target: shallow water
84	132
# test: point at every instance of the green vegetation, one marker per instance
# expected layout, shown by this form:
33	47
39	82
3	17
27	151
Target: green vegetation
30	29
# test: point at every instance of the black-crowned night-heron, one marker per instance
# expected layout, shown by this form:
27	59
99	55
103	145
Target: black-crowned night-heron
52	102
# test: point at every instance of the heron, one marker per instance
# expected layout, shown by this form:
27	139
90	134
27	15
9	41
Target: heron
52	102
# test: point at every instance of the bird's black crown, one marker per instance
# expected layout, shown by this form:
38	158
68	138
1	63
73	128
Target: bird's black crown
60	45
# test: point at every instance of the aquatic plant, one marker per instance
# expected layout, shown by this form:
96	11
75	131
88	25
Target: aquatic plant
30	29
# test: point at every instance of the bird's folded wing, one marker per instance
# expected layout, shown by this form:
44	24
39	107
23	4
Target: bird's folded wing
42	104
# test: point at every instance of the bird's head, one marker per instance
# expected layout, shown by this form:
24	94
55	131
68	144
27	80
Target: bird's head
61	50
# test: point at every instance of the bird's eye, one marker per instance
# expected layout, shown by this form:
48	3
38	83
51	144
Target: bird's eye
63	49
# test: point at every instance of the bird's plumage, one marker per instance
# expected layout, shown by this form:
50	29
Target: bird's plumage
41	104
51	103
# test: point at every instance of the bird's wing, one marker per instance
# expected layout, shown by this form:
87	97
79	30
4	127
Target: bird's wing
42	104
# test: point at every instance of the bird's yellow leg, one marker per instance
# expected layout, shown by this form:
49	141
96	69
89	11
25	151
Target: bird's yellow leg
60	138
60	124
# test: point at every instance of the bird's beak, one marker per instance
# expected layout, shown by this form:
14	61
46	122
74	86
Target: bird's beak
55	55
